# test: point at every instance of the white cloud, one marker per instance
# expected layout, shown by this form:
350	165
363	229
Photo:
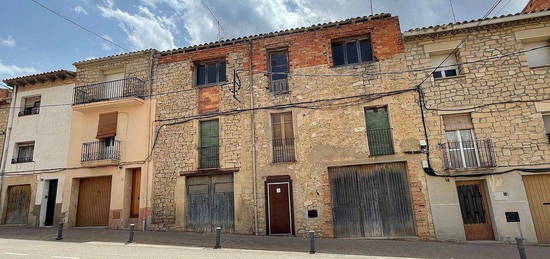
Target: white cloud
144	29
106	45
8	71
8	42
80	10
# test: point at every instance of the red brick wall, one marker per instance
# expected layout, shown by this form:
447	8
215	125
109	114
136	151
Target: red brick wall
209	99
536	5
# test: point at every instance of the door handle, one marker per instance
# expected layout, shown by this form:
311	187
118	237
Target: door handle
546	203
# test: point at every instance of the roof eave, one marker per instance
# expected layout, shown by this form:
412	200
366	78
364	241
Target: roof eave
473	24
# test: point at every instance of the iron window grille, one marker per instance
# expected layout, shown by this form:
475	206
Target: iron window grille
209	151
211	73
25	152
109	90
468	154
352	51
380	142
283	150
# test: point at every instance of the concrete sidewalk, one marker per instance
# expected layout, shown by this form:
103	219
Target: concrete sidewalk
386	248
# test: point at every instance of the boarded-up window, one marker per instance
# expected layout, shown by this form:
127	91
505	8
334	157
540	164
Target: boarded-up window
283	137
538	54
107	125
379	133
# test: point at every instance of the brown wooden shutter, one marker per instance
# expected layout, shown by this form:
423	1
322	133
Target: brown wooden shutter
107	125
458	122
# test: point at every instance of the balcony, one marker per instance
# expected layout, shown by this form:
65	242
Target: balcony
468	155
117	92
209	157
19	160
283	150
380	142
100	153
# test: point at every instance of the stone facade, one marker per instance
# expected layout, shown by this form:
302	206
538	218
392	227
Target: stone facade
327	133
504	98
5	100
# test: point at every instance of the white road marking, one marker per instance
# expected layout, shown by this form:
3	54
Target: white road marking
64	257
8	253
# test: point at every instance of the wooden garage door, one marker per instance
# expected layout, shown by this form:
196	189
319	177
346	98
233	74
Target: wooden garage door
19	200
538	193
210	203
94	198
371	201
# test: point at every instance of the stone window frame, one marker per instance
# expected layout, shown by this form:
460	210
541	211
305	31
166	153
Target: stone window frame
270	135
532	35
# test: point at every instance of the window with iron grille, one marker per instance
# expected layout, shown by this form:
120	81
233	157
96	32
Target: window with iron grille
352	51
546	119
31	105
209	144
278	67
379	133
283	137
210	73
24	152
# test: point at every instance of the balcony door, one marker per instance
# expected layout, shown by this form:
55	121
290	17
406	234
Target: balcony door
115	88
462	151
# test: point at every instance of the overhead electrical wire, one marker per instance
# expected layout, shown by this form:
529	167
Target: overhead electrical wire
79	25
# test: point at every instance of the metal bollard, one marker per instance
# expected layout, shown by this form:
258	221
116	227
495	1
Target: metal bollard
311	234
132	228
218	238
59	231
521	248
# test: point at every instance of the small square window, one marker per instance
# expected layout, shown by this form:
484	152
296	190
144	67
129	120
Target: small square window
211	73
30	105
352	51
24	152
448	65
537	56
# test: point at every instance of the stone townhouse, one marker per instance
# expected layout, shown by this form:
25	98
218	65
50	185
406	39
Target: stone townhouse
35	148
108	175
488	119
286	132
5	101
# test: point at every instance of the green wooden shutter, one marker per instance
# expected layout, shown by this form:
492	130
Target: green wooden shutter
379	131
209	146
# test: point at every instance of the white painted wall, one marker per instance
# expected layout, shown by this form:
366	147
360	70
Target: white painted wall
448	219
49	129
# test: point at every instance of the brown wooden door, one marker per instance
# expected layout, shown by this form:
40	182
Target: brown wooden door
280	221
136	184
94	199
19	200
475	210
538	194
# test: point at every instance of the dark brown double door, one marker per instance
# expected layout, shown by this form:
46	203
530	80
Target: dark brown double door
279	207
475	210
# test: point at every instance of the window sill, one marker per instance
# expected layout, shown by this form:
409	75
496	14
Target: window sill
26	115
212	84
450	77
354	64
284	162
540	67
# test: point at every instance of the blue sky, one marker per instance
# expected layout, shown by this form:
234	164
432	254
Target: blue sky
32	40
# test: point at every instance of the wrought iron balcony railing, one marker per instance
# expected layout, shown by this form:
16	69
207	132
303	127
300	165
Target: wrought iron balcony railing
380	141
283	150
29	111
278	86
209	156
100	150
21	160
468	154
110	90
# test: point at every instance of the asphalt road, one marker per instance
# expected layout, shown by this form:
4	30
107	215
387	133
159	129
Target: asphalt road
21	249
